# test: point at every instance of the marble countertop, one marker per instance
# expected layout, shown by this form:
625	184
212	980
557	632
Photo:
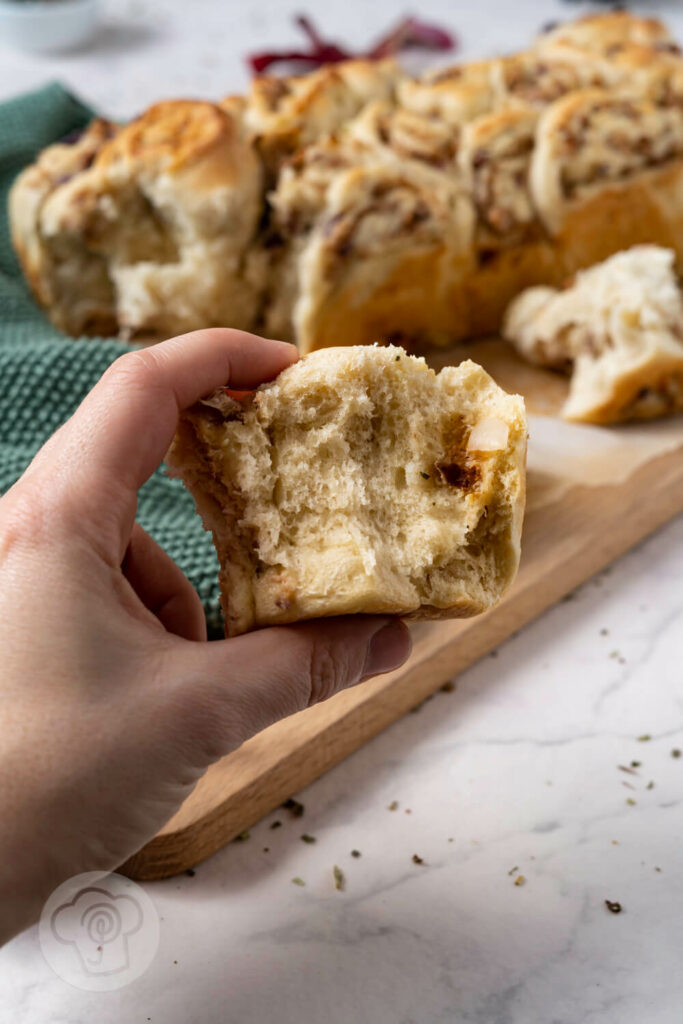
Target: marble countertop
515	773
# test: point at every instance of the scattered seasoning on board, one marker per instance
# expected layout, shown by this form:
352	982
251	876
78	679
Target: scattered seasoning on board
448	687
675	752
266	849
626	768
613	906
276	824
298	881
644	738
393	806
636	764
295	808
630	801
305	838
604	632
417	860
407	811
355	853
658	869
628	785
339	880
513	871
650	785
242	837
520	880
191	872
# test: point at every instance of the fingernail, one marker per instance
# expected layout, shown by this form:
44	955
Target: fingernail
388	649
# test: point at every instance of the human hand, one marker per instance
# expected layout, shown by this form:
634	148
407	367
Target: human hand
112	704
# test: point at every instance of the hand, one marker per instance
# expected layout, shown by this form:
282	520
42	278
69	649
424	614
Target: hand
112	703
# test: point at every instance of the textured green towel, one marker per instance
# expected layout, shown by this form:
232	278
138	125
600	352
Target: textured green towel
44	375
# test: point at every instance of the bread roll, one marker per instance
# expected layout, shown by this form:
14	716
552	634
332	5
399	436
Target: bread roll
359	481
618	329
149	236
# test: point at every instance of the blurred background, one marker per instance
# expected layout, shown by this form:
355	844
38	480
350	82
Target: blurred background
139	51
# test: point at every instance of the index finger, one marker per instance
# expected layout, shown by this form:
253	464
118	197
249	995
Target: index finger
123	428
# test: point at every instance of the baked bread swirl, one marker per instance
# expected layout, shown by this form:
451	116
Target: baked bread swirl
519	171
359	481
618	329
149	237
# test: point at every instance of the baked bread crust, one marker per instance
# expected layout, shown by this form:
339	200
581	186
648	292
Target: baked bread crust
160	217
618	329
522	170
359	481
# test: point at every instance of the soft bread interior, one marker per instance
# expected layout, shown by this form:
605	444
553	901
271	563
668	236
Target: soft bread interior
359	481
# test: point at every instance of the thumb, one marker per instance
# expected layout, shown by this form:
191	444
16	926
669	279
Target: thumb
234	688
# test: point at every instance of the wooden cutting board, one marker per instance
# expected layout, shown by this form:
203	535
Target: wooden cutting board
593	493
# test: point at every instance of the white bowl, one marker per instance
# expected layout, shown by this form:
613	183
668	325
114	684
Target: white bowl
44	25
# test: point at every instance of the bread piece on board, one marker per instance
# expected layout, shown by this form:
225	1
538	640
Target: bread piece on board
618	329
359	481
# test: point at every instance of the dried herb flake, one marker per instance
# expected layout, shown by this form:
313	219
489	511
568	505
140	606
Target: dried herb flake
305	838
295	808
613	906
339	880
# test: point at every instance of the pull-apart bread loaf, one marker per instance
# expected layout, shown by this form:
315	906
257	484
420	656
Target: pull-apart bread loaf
618	329
357	203
359	481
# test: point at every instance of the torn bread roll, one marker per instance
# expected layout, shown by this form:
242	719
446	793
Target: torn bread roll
618	329
359	481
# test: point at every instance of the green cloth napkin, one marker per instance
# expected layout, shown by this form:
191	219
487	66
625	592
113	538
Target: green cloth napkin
44	374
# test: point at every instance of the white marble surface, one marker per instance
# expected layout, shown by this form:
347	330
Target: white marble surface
517	768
